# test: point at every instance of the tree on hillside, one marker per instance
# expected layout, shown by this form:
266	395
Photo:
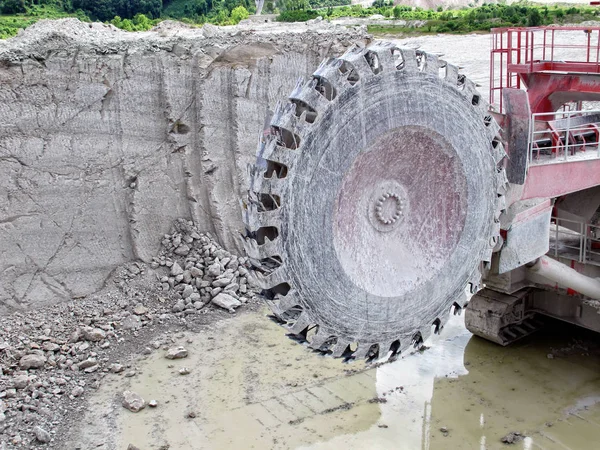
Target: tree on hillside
296	5
107	9
12	6
534	18
238	14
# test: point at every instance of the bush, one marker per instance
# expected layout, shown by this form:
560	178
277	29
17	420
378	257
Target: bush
314	4
12	6
238	14
139	23
534	18
297	16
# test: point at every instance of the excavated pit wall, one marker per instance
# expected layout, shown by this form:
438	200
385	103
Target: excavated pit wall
107	136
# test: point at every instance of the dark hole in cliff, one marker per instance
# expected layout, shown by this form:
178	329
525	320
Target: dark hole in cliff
264	233
351	73
325	88
269	202
180	128
303	108
286	138
275	168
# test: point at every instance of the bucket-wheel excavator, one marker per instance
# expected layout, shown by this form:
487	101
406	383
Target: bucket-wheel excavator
387	192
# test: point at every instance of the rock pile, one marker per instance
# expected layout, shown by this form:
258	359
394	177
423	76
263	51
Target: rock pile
199	271
50	358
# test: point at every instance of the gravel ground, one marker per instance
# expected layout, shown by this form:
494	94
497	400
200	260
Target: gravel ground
53	357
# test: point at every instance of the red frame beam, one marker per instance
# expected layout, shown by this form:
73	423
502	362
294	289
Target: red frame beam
555	180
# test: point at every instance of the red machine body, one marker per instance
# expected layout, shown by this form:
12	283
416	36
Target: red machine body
545	94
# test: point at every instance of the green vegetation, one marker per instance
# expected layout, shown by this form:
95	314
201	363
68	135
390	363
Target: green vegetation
219	12
130	15
140	15
140	22
297	16
465	20
316	4
19	14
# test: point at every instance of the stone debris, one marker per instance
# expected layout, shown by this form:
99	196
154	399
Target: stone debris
140	310
53	328
176	353
42	435
94	334
50	357
34	361
77	391
152	403
116	368
203	273
184	371
512	438
227	302
133	402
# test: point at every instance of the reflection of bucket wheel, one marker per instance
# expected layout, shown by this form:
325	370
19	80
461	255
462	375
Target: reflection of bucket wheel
375	200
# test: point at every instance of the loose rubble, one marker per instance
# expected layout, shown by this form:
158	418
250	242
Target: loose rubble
199	271
512	438
42	435
176	353
51	358
133	402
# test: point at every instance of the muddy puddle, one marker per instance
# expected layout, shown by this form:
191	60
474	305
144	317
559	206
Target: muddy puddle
250	387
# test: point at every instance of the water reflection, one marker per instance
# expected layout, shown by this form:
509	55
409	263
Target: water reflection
407	386
250	387
465	393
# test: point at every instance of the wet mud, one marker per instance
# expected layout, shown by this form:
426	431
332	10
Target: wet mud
251	387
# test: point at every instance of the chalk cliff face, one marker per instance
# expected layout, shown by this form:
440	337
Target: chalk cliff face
106	137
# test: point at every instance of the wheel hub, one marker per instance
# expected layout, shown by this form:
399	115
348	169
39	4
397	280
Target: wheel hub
387	206
397	235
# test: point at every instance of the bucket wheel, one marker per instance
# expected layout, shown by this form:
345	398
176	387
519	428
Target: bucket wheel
374	202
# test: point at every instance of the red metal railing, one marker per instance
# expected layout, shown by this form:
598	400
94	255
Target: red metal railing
518	51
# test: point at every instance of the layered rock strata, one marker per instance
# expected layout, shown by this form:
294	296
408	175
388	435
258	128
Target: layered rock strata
107	136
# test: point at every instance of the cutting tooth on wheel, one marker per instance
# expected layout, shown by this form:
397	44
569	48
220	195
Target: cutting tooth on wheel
318	341
366	350
375	201
340	348
301	324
